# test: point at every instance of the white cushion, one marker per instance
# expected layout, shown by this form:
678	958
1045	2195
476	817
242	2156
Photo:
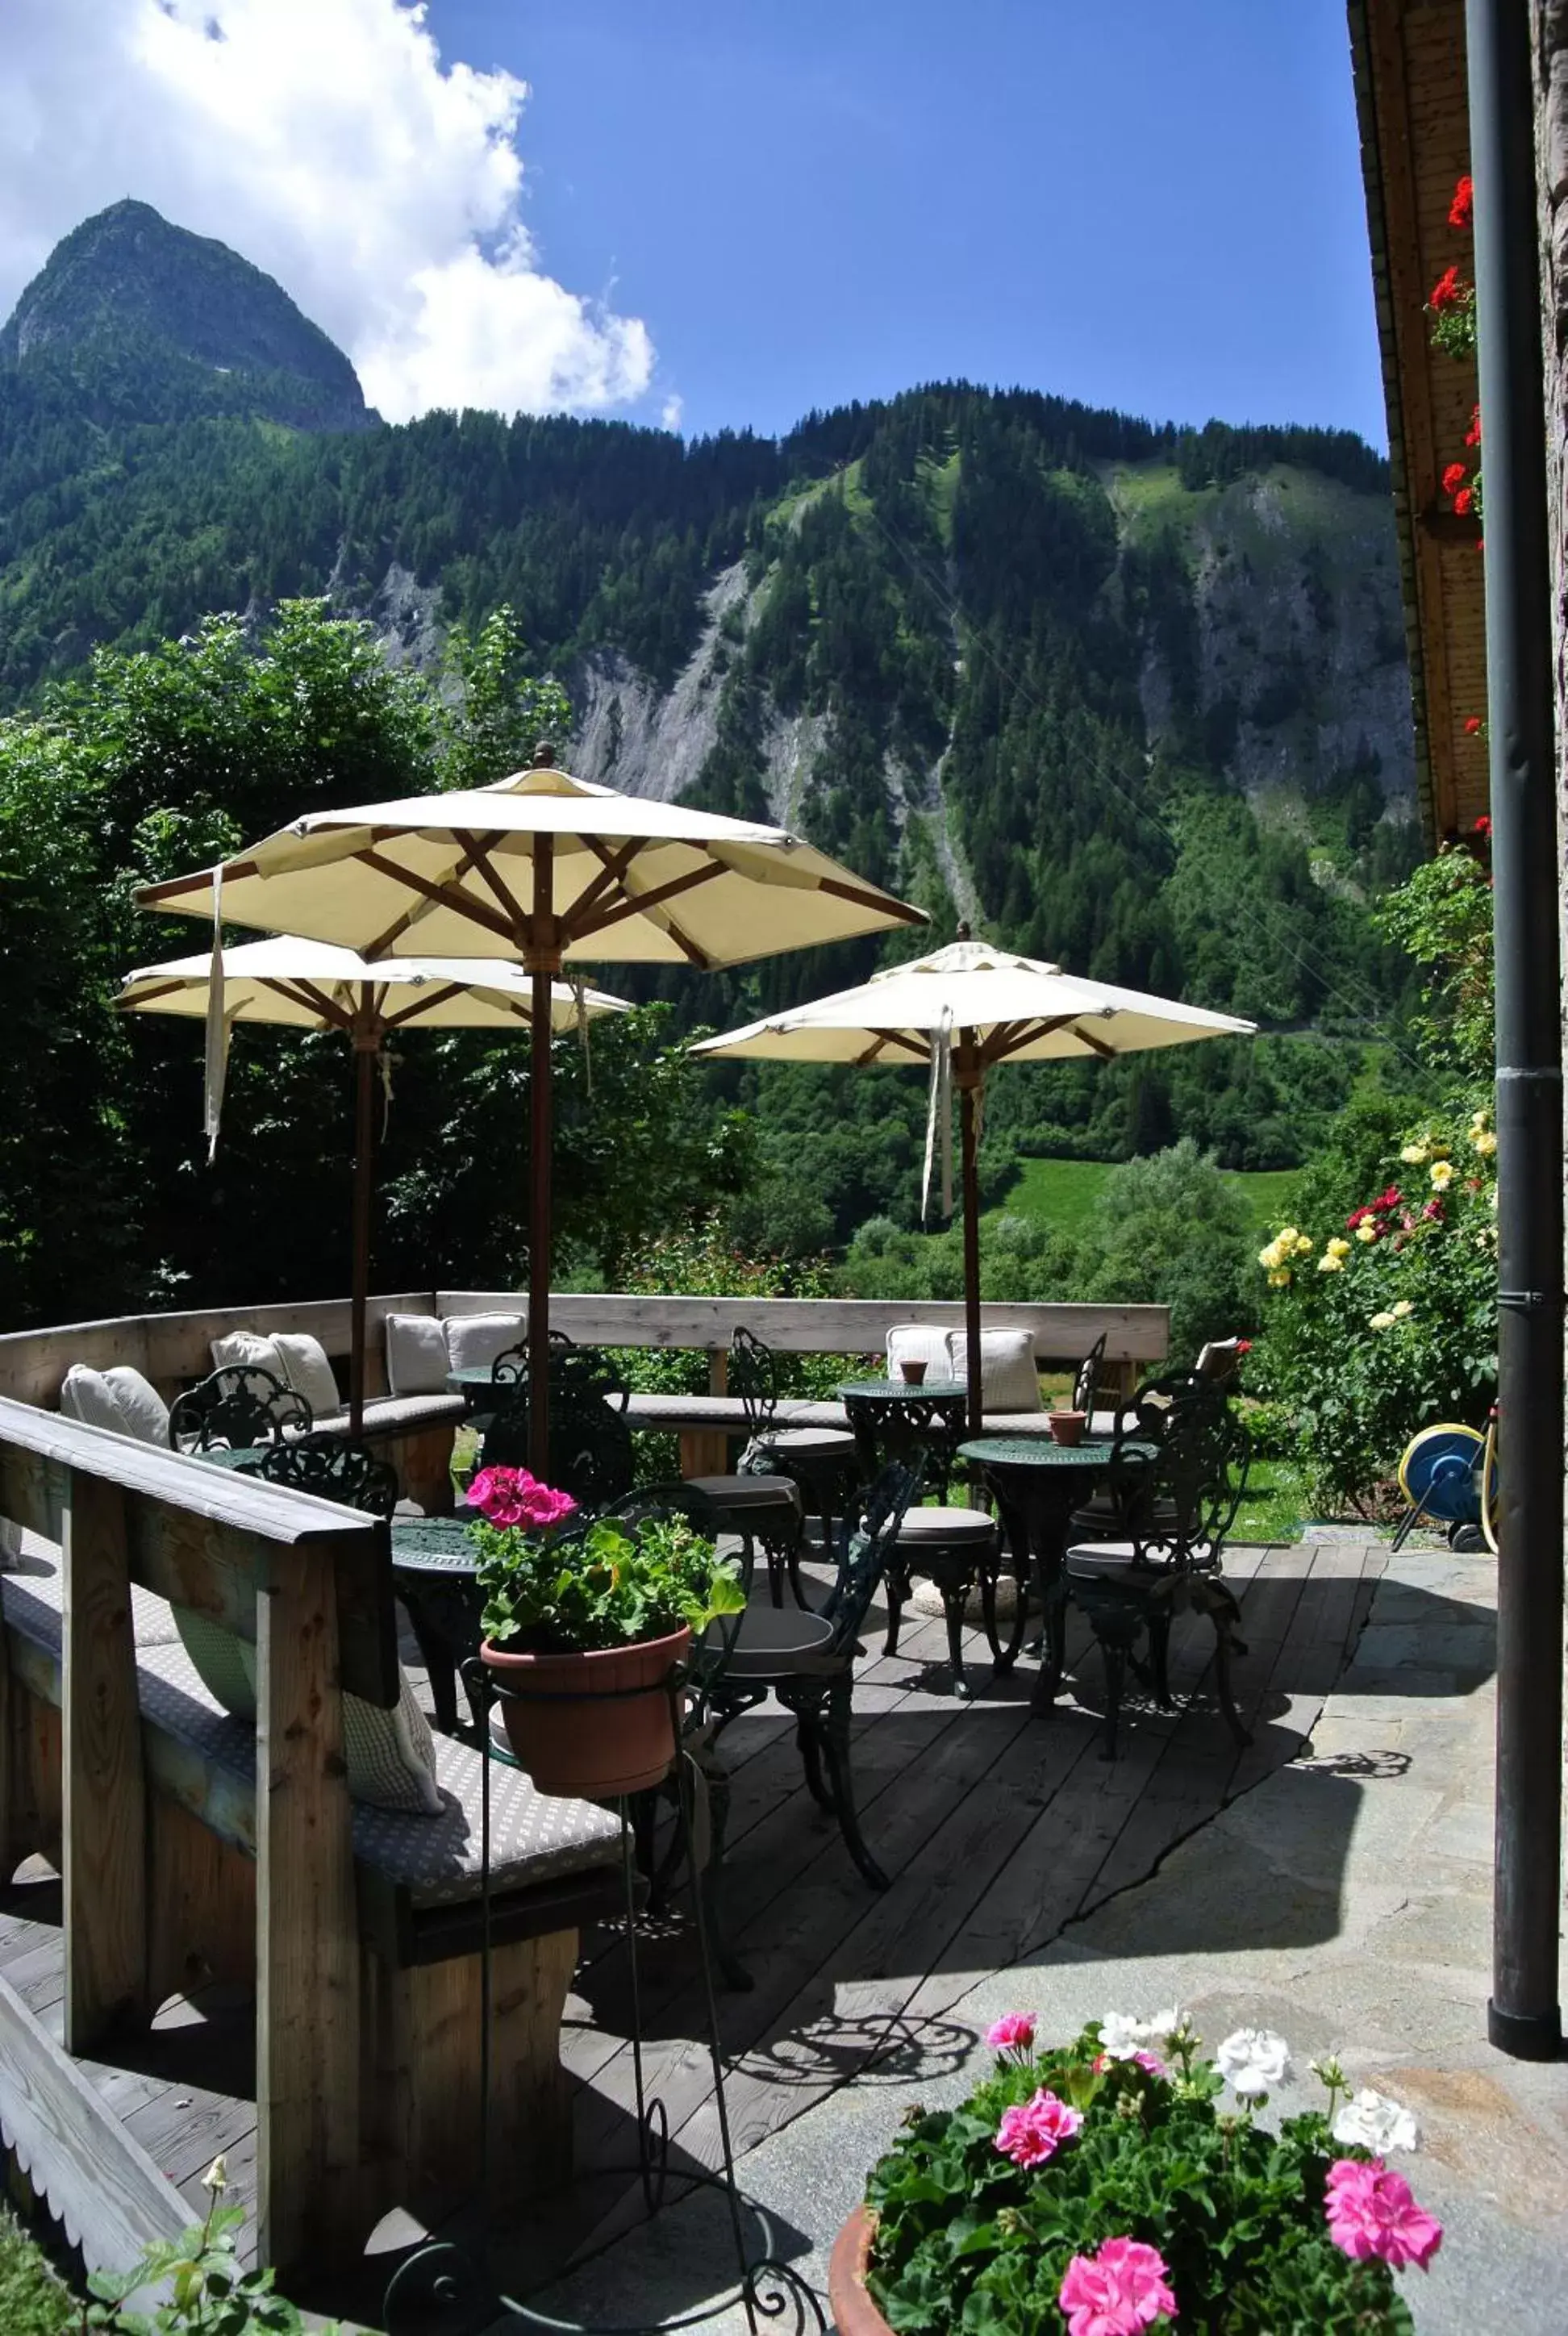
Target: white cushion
87	1395
475	1340
1008	1378
1219	1359
916	1342
416	1358
240	1346
307	1371
946	1524
146	1413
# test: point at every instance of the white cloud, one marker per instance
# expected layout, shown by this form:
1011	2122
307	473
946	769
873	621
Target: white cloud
326	140
670	412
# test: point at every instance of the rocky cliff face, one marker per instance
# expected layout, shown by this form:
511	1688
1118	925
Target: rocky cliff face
149	321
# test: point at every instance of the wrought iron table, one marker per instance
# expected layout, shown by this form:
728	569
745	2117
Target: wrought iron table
242	1459
1038	1485
432	1571
892	1419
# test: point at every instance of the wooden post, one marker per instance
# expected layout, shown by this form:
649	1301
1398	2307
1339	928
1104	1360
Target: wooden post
307	1929
104	1847
367	1050
543	963
967	1074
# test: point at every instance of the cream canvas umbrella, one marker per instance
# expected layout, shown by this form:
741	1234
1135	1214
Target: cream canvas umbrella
960	1012
546	870
311	986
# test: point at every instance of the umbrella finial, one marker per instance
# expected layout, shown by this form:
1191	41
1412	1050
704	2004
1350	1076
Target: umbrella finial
543	754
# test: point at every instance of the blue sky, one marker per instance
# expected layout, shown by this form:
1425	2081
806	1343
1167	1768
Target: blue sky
1151	204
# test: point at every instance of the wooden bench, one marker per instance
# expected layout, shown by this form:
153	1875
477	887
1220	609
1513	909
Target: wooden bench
173	1350
193	1843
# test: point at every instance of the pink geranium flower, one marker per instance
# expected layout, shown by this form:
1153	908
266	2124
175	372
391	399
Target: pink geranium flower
1141	2059
1371	2213
1119	2291
1034	2133
511	1496
1013	2032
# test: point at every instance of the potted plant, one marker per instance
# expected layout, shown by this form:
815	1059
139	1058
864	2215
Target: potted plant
584	1625
1107	2189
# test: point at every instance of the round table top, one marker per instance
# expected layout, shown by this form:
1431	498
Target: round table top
432	1545
1040	1452
245	1459
902	1391
474	1378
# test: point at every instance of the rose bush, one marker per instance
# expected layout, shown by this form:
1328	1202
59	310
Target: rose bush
1104	2190
1386	1323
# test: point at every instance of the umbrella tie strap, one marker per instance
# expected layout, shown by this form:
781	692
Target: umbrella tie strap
385	1091
215	1068
939	1113
578	991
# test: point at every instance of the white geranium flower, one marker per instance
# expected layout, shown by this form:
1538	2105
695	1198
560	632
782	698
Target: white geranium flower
1120	2035
1254	2060
1369	2120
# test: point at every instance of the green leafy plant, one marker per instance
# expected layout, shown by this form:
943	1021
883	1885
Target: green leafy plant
205	2291
1104	2186
549	1590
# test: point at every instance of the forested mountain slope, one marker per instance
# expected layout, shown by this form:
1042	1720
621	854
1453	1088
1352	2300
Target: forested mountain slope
1123	696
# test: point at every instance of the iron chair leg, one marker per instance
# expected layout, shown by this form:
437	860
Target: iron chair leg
954	1598
836	1745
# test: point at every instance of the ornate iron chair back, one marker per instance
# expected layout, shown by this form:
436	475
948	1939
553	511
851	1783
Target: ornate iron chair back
571	1367
1086	1377
591	1448
1178	1507
238	1405
871	1545
335	1468
754	1378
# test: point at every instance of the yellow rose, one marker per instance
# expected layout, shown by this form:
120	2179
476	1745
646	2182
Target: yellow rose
1330	1263
1286	1236
1366	1230
1415	1156
1269	1258
1383	1321
1402	1306
1339	1245
1442	1174
1303	1246
1484	1142
1279	1281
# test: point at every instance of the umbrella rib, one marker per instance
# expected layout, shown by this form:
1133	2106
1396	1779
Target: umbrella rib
1008	1038
164	989
424	1005
299	992
479	858
1095	1046
635	906
440	896
147	894
613	872
900	1038
865	900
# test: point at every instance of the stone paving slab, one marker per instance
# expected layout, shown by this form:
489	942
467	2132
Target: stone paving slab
1345	1901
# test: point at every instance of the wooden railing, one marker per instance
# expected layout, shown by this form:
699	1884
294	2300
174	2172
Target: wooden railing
304	1581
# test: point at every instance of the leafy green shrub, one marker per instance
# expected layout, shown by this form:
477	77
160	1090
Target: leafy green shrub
1382	1316
33	2300
207	2292
1169	1231
1101	2187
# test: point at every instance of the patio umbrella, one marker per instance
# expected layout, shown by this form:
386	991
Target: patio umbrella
544	869
311	986
960	1012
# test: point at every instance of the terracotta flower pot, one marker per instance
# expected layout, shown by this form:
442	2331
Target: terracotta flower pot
594	1725
854	2313
912	1374
1066	1427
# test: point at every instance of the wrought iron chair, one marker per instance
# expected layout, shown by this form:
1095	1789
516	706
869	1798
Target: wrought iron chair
591	1448
1177	1498
1086	1379
824	1463
807	1660
336	1468
761	1504
236	1408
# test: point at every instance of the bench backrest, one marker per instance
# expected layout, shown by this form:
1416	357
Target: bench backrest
309	1585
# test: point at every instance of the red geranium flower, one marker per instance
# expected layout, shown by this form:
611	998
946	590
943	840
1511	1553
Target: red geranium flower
1472	725
1453	478
1483	828
1463	202
1447	292
1473	435
1463	502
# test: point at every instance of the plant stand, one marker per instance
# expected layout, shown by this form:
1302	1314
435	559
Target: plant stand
444	2288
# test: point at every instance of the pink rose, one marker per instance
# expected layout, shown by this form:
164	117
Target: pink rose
1371	2213
1119	2291
1013	2032
1034	2133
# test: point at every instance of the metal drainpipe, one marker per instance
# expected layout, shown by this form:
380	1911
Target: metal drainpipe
1524	2017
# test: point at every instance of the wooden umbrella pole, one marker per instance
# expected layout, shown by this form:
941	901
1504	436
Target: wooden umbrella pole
367	1050
543	963
969	1079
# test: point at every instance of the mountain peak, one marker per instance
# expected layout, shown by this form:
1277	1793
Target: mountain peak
146	321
